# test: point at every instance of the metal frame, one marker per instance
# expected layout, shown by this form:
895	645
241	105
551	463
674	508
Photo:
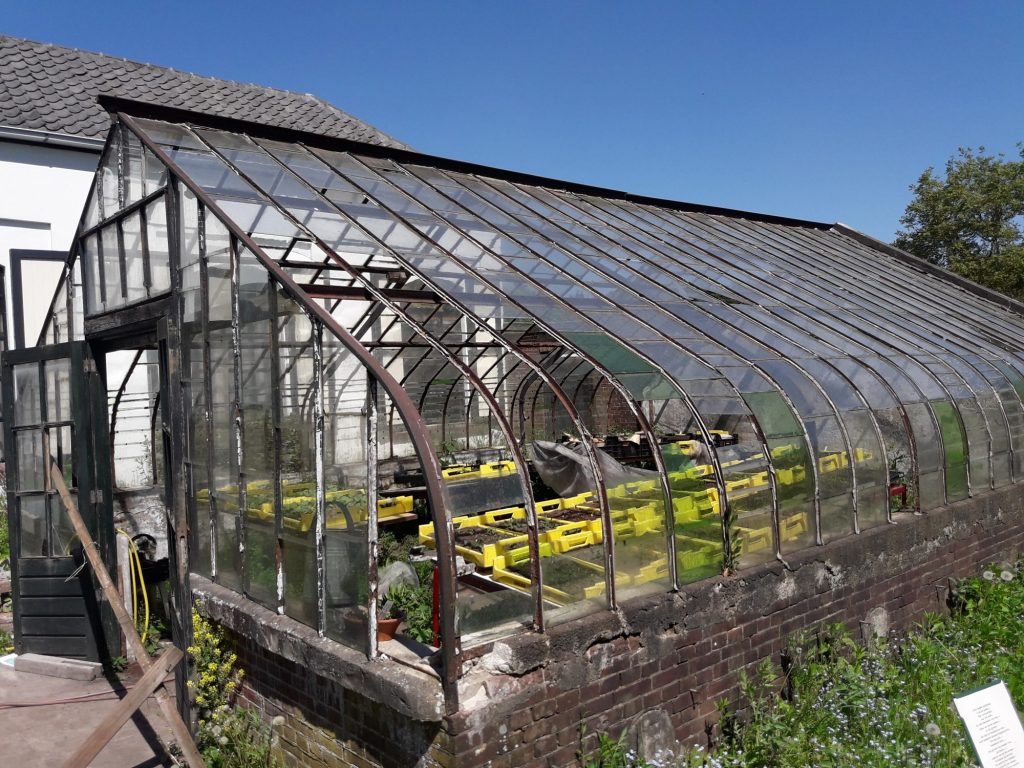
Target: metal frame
634	241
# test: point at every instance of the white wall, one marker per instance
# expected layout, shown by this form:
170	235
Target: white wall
42	194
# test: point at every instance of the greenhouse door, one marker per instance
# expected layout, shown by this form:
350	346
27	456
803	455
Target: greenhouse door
54	402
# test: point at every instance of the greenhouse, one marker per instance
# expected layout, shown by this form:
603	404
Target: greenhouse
489	403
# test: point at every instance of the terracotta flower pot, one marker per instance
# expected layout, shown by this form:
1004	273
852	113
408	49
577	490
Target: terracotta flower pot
386	628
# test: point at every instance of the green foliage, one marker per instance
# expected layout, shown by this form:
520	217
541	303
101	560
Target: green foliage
609	753
6	643
971	220
227	737
118	664
158	630
416	606
885	703
731	553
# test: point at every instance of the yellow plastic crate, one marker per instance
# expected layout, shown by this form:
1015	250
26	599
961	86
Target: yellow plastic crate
791	476
497	469
396	505
570	536
859	455
523	584
793	527
654	571
754	539
784	450
697	554
458	472
546	507
516	555
831	462
574	501
738	485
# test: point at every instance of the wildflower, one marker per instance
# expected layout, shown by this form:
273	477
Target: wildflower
933	730
223	741
1006	576
988	576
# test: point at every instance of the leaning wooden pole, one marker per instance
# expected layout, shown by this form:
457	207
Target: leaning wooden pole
167	706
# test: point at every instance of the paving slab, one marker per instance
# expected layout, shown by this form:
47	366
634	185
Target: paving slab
45	735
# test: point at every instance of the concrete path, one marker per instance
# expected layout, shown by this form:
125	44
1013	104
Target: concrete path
44	736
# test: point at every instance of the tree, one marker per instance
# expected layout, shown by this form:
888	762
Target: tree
971	221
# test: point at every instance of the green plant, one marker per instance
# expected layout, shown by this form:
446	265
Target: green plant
733	543
158	630
610	753
446	450
416	606
118	664
886	702
227	737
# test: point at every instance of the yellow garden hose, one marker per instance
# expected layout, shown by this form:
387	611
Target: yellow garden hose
138	582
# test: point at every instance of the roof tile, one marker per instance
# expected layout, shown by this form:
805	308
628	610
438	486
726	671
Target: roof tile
54	86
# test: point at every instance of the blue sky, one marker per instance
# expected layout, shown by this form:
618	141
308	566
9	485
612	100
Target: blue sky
822	110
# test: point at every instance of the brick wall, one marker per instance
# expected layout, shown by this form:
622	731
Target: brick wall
317	722
662	661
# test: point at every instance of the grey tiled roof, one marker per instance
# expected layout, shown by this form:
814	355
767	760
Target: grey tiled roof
50	88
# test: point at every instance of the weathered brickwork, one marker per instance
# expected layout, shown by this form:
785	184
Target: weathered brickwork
661	659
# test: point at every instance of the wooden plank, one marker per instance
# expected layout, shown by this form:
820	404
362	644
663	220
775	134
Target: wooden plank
49	586
71	647
125	708
52	606
46	566
167	706
57	626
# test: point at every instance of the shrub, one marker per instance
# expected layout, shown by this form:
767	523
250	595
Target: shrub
228	737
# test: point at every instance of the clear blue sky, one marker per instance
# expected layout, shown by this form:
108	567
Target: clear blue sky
822	110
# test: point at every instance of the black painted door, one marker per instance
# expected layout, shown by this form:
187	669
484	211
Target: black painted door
55	411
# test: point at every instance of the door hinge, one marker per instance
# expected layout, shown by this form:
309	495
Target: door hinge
96	496
89	365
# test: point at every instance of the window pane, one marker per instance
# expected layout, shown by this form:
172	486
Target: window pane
156	241
346	573
257	407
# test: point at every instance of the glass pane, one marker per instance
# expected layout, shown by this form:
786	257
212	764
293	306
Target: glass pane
297	400
58	389
27	397
34	539
156	241
257	407
110	264
89	253
872	474
31	474
346	572
134	258
954	445
225	480
696	507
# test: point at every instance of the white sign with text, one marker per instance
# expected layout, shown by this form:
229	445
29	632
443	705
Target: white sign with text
993	725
